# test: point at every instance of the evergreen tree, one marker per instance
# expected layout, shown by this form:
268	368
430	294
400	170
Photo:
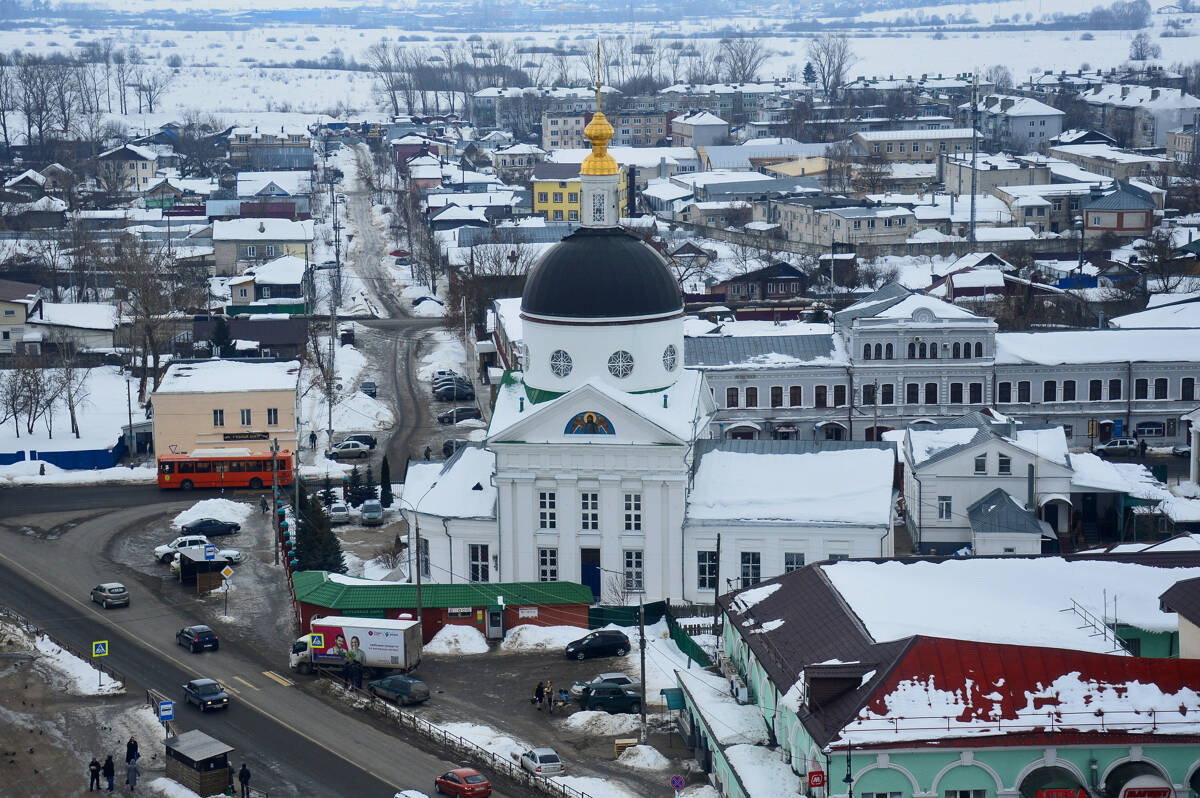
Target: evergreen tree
369	491
221	340
317	547
385	483
810	74
354	488
328	497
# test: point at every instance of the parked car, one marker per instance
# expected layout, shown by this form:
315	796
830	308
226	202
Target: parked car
614	678
365	438
166	552
457	414
211	527
454	393
399	688
349	450
444	373
206	694
465	782
339	513
110	594
1182	450
1118	447
372	513
443	382
368	388
197	638
543	762
610	698
601	643
453	445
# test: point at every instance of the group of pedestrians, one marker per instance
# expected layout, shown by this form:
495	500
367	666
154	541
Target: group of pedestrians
544	695
108	770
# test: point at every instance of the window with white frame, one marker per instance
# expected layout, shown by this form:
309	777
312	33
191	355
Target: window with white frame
945	508
792	561
547	565
478	563
751	568
547	509
246	415
981	464
633	512
218	418
634	572
589	511
272	416
706	570
1005	465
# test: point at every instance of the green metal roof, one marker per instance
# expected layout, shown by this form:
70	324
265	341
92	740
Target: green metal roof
315	587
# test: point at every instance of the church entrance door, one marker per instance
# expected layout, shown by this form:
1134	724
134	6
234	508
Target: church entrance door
589	570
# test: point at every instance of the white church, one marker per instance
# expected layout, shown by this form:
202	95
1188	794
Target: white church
598	466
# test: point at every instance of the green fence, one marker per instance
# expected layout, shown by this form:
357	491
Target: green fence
685	642
601	616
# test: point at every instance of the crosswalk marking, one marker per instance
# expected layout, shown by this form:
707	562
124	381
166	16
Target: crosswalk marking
243	681
275	677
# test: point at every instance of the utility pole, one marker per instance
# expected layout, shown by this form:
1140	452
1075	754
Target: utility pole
132	441
642	654
876	403
717	588
275	494
974	155
417	527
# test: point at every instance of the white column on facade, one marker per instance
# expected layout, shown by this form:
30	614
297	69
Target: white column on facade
655	535
612	512
516	546
567	488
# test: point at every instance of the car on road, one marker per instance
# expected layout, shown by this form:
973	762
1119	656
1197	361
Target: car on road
364	438
349	450
339	513
369	388
110	594
464	782
1118	447
372	513
166	552
601	643
453	445
211	527
206	694
542	762
610	698
457	414
1182	450
197	638
613	677
399	688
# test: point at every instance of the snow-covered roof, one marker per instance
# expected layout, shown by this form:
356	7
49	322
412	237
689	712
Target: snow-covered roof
285	270
461	487
906	307
28	174
1185	314
1127	96
1093	474
82	315
521	149
471	199
1013	105
896	600
701	118
1061	347
454	213
641	157
291	183
509	312
914	135
262	230
830	488
132	151
1108	153
228	376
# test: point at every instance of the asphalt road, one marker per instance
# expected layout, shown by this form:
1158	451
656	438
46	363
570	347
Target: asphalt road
305	745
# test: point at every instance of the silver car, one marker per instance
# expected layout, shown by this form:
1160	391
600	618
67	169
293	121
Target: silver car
339	513
543	762
372	513
110	594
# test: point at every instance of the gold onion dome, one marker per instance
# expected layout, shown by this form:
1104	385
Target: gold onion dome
599	132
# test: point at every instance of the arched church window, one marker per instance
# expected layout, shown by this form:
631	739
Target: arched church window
670	357
560	363
620	364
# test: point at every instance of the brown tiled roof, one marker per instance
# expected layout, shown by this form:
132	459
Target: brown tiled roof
1183	598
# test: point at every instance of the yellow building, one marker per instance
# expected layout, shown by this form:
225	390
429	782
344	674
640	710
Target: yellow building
216	403
127	168
556	191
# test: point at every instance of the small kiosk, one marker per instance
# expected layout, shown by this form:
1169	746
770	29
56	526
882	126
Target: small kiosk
199	763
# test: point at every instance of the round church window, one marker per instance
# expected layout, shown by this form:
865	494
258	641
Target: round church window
560	363
670	357
620	364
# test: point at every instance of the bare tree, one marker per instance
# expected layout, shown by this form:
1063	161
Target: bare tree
35	385
872	175
154	85
831	57
1143	48
742	58
387	66
999	76
35	100
8	97
70	380
839	170
12	399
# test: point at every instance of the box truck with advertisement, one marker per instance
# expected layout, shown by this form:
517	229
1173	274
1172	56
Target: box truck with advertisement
380	645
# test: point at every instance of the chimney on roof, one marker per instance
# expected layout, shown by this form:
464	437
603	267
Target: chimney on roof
1154	93
1124	92
262	227
1007	103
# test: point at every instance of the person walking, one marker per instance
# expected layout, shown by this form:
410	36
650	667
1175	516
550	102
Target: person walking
244	780
131	750
428	452
550	697
1142	447
312	444
132	771
539	693
262	504
109	770
94	775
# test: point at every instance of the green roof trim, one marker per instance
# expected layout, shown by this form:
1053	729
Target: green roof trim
315	587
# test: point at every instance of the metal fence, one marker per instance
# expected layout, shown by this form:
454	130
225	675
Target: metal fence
478	755
34	629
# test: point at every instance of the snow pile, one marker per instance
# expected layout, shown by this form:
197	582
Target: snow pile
745	601
457	640
528	637
763	771
663	659
896	600
169	788
643	757
488	739
700	791
80	677
590	785
28	472
602	724
732	723
220	509
446	352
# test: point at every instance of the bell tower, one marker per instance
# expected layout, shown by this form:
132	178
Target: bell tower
599	174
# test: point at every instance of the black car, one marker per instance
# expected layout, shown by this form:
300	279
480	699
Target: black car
197	638
399	688
603	643
611	698
454	393
453	445
206	694
368	388
211	527
370	441
458	414
452	382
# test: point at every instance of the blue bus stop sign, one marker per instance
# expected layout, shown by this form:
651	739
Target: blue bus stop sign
210	552
166	711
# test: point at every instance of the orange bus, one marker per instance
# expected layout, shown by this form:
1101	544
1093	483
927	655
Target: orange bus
223	468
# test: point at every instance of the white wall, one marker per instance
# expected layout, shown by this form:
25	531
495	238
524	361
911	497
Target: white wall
646	342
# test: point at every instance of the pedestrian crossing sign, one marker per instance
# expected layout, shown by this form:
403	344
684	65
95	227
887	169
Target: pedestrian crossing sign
316	640
99	648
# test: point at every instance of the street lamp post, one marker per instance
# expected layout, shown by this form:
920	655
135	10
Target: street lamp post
1079	269
415	558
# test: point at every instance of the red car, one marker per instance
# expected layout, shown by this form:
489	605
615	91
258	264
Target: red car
465	782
